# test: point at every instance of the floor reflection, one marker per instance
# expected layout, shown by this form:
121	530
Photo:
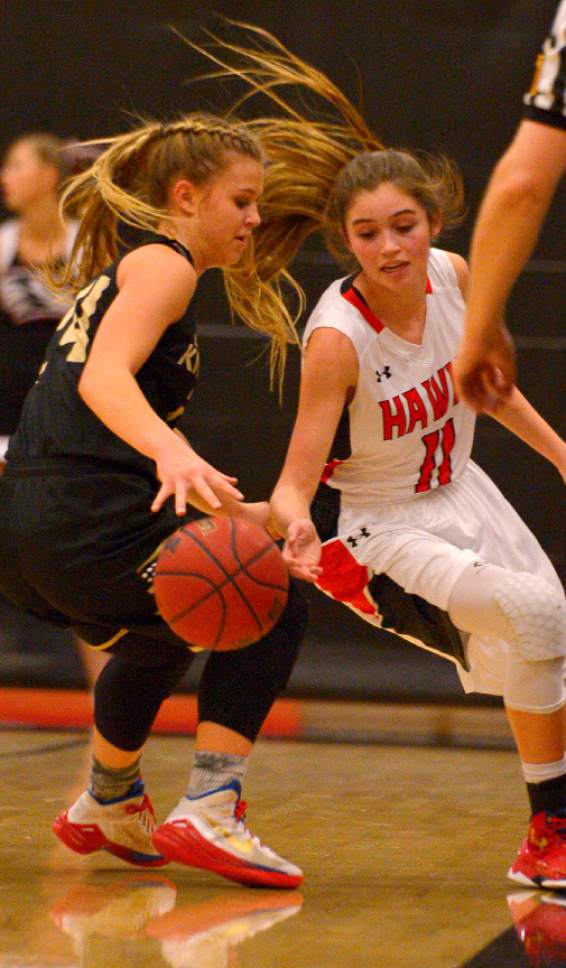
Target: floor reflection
537	938
388	884
540	924
136	922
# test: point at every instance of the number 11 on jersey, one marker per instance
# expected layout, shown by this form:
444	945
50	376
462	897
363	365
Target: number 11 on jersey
446	438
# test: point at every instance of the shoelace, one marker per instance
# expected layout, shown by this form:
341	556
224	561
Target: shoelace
244	832
145	814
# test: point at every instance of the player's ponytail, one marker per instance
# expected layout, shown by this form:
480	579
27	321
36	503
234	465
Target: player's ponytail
305	153
317	160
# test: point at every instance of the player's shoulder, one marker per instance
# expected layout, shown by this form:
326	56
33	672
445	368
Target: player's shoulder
158	264
333	309
446	270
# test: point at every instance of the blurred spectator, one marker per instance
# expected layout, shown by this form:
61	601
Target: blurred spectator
33	169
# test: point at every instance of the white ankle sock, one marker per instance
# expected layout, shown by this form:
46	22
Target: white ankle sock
539	772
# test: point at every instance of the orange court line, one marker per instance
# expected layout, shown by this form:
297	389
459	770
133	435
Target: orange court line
72	708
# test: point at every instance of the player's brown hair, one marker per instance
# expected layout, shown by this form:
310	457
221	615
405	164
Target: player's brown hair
434	182
319	160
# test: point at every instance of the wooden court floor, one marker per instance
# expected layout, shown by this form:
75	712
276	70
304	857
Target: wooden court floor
404	851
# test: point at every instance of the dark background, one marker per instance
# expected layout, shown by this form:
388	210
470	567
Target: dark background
440	75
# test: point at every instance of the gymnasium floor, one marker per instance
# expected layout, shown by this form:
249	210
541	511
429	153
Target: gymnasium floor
404	850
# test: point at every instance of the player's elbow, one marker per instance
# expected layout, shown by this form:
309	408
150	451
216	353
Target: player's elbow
519	184
88	384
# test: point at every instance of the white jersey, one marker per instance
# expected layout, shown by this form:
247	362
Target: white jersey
405	433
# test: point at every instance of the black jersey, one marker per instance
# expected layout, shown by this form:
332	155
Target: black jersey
545	101
57	424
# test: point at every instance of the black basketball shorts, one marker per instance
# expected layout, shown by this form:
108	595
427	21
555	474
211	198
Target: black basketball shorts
76	545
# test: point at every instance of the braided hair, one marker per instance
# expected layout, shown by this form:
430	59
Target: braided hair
128	183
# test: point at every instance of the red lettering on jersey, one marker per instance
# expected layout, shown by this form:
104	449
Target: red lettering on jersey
438	393
447	437
417	410
392	418
429	463
448	441
448	368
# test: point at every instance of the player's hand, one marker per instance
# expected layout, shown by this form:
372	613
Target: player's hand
485	369
258	512
301	551
181	470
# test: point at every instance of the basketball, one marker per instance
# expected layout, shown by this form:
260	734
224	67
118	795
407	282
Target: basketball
220	583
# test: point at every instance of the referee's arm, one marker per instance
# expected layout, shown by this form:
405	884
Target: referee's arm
517	199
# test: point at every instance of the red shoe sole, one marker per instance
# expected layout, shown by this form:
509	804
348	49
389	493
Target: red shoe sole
87	840
186	846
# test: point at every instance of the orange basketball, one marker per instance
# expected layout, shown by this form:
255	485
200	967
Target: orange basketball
220	583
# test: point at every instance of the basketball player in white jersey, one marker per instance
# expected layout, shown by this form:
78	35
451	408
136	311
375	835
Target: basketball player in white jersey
412	534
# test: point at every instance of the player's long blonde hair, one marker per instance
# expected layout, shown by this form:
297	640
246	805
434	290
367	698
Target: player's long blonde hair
128	184
316	163
315	166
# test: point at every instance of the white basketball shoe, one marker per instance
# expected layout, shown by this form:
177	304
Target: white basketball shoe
122	827
209	832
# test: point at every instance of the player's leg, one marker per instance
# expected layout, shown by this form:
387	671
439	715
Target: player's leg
92	661
528	614
115	813
522	615
207	828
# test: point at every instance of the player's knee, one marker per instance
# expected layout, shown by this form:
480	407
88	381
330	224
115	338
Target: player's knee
536	614
534	687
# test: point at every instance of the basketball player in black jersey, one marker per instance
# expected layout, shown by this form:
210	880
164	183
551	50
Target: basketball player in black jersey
85	500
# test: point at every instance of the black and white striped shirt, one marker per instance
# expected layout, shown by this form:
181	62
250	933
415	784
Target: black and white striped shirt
546	98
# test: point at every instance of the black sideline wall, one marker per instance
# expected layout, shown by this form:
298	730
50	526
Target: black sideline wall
440	75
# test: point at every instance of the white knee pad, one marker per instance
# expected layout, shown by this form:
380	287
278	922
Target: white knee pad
535	612
534	687
529	615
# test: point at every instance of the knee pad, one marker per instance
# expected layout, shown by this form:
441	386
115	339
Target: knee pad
536	614
534	687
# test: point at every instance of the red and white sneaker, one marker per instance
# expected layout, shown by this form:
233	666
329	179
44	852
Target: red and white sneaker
122	827
210	832
540	923
541	861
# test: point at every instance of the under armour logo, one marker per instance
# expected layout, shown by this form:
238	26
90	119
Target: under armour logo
385	373
354	540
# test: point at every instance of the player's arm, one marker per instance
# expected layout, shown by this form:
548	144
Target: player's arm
329	378
521	418
509	221
155	286
517	199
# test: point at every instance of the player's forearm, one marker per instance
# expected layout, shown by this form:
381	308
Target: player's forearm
505	235
288	503
517	199
116	398
521	418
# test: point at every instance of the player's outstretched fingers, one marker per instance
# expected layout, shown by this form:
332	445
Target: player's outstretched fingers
181	498
159	500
